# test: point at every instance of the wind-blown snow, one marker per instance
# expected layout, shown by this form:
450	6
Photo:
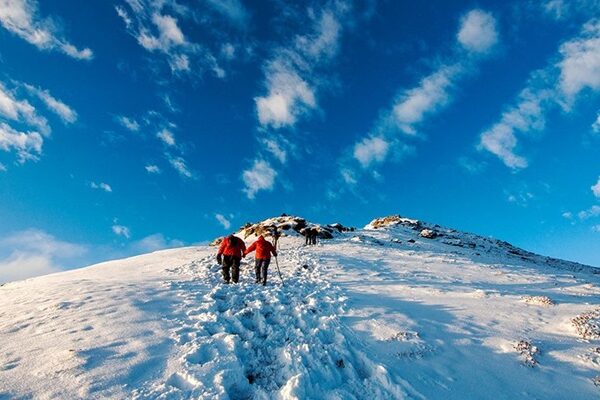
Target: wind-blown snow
372	314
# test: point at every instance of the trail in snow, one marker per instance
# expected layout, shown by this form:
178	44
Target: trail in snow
247	341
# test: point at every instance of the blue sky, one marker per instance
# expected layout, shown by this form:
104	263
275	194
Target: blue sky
132	125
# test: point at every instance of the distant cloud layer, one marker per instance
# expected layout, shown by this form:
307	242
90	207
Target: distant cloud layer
34	252
21	17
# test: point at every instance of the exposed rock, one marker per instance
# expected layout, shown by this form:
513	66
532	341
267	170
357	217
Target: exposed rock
394	220
588	324
428	234
538	300
527	352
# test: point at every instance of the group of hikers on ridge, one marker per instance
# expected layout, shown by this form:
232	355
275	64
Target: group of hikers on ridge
232	249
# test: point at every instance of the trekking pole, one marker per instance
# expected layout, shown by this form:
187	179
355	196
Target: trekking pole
280	277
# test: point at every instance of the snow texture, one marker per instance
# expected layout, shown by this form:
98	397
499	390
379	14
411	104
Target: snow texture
379	313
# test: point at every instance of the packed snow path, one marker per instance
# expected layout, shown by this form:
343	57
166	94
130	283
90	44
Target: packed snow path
369	315
247	341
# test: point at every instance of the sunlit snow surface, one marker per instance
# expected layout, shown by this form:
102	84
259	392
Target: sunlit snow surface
367	315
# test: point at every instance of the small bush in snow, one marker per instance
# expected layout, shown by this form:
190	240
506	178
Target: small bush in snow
596	381
538	300
527	352
588	324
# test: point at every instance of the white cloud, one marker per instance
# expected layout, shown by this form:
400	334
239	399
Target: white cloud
431	95
371	149
478	31
223	221
28	140
260	177
596	124
580	63
596	228
578	68
167	137
410	109
66	113
121	230
152	169
101	186
528	114
348	176
273	147
596	188
21	17
156	25
181	167
567	215
593	211
2	168
561	9
128	123
34	252
20	110
290	79
28	145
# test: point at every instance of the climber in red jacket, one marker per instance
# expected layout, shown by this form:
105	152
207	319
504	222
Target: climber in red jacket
229	256
264	250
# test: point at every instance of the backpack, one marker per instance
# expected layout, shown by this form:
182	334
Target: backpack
232	242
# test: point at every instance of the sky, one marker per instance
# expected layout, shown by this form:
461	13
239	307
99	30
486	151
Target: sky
128	126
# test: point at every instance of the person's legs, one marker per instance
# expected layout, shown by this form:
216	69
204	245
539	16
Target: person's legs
235	270
227	261
264	266
257	269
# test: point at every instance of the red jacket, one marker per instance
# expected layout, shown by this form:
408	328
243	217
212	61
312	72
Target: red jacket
236	249
263	249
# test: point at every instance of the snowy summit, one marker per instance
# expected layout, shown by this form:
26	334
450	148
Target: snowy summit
400	309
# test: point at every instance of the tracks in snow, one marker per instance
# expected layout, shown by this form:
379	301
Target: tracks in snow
247	341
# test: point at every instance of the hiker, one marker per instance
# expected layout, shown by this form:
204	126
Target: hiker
229	256
306	233
264	250
275	233
314	232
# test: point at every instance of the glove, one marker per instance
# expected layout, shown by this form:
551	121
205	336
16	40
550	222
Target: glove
219	259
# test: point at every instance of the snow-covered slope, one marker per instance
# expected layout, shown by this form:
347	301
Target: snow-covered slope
379	313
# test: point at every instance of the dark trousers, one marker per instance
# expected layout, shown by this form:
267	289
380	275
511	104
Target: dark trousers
261	270
231	263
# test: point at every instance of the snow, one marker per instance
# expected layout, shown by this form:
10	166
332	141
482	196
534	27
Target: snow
367	315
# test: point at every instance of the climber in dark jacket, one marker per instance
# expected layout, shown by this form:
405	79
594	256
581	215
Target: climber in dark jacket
229	256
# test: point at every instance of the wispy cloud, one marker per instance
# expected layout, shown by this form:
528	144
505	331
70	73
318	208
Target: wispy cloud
476	37
65	112
166	137
121	230
593	211
157	27
290	81
371	149
152	169
128	123
596	188
101	186
180	165
223	221
2	167
21	17
559	84
27	140
596	124
261	176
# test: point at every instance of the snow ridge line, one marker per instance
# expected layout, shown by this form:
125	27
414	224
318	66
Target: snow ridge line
247	341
